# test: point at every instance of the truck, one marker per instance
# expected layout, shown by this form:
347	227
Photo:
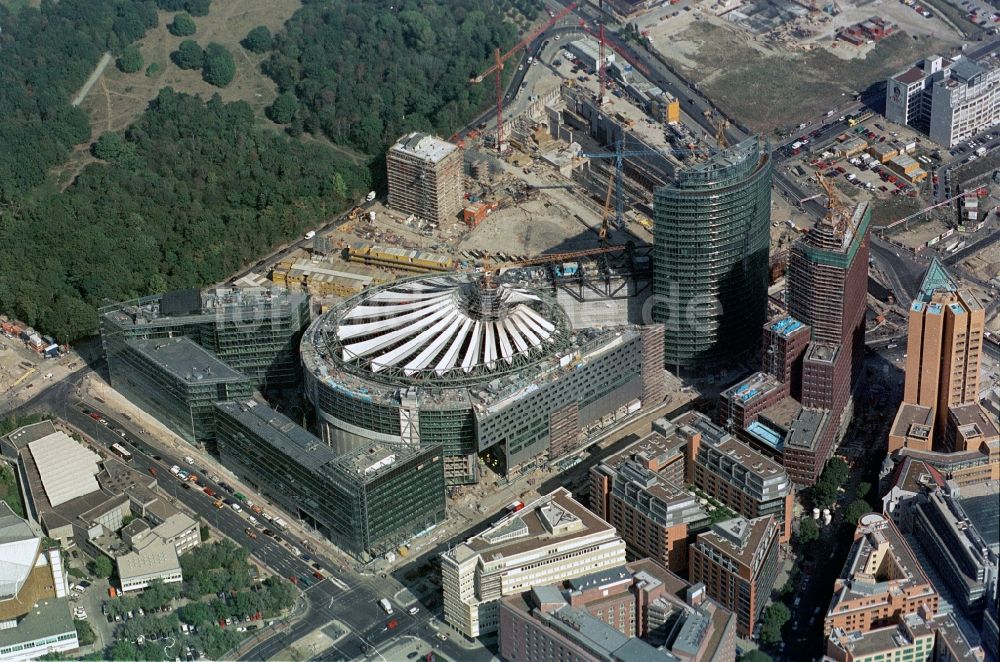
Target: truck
370	196
386	606
310	234
981	151
280	523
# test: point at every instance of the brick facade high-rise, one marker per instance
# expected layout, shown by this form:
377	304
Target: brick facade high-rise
813	376
425	177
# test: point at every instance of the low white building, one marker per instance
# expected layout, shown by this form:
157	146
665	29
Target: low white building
552	539
155	559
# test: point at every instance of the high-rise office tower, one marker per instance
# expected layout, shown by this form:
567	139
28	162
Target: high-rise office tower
827	286
711	238
943	355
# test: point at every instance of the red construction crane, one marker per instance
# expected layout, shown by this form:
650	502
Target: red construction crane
499	62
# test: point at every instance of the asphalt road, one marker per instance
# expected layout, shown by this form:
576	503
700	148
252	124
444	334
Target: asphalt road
343	595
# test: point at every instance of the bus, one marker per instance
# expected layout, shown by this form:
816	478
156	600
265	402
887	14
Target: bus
859	118
121	452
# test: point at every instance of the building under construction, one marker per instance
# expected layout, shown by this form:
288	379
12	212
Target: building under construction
491	369
425	177
253	330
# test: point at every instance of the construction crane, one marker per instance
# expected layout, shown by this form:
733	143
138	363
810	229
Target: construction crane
499	60
602	39
835	210
491	268
619	155
721	124
602	234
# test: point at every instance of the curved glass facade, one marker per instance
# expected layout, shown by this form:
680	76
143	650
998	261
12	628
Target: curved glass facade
710	253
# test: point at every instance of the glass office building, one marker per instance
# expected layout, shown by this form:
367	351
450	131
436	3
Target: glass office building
710	253
254	330
178	382
367	501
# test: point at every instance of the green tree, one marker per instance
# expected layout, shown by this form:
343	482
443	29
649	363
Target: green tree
153	69
283	109
102	566
182	25
205	533
130	60
755	656
775	617
84	633
808	530
197	7
219	67
216	641
195	613
108	147
123	650
854	512
258	40
188	55
863	490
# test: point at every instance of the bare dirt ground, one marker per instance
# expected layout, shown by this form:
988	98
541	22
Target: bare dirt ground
117	99
770	88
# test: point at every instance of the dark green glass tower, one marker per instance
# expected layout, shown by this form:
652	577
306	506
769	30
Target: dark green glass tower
710	253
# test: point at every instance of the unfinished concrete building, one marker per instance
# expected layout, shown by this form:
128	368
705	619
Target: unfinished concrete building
425	177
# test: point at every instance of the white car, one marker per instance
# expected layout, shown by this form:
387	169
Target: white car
189	459
175	470
235	506
80	614
412	611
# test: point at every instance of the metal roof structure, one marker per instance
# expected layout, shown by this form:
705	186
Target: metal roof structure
937	279
18	549
67	469
459	324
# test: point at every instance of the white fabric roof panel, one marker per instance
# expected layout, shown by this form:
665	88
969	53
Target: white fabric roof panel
68	470
435	325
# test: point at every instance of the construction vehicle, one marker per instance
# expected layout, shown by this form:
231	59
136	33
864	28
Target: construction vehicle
498	64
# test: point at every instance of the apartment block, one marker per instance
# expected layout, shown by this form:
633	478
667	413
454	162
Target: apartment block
743	479
910	639
552	539
425	177
881	581
951	100
737	561
656	518
639	611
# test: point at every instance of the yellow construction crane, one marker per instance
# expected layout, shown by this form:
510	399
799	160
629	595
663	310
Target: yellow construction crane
835	209
602	234
721	124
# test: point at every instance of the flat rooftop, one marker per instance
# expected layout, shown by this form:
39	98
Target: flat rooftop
307	450
751	388
738	538
424	147
913	421
186	360
215	304
805	430
48	618
548	520
787	326
67	468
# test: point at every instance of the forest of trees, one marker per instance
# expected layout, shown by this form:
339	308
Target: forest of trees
364	75
46	54
190	192
195	189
